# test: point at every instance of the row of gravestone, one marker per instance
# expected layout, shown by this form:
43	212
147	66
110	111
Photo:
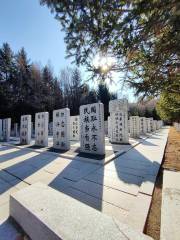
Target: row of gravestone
89	127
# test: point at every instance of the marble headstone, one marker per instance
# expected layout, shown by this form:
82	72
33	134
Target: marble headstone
154	125
143	125
134	127
119	121
151	124
92	137
41	129
74	126
25	129
61	129
148	124
6	129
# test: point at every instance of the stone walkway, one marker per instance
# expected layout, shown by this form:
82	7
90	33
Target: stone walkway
122	188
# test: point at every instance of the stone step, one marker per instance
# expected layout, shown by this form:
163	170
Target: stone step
45	213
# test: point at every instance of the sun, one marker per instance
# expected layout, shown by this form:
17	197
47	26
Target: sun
104	63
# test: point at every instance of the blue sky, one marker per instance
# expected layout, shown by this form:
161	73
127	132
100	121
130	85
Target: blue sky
24	23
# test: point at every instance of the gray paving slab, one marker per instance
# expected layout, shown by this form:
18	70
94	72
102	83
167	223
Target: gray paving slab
113	196
75	219
122	183
139	211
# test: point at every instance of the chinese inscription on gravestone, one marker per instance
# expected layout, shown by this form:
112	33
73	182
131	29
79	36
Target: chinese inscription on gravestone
61	129
25	129
75	124
134	127
92	128
6	129
119	121
41	129
143	125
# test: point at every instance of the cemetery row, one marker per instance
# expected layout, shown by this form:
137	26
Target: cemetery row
90	127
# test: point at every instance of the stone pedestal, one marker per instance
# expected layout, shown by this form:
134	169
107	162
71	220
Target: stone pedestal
92	128
119	121
143	125
41	129
61	129
134	127
75	128
6	129
25	129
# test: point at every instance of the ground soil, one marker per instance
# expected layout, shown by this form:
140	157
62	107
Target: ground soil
171	161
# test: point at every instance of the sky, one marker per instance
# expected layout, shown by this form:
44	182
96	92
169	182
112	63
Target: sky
25	23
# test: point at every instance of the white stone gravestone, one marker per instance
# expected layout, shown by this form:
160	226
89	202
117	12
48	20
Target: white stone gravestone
25	129
61	129
134	127
1	130
119	120
148	124
151	124
41	129
92	137
75	128
6	129
154	125
143	125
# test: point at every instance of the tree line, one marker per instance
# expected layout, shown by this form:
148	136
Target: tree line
27	88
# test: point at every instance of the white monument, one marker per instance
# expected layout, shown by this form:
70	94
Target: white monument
92	137
6	129
119	121
148	124
1	130
154	125
134	127
61	129
151	124
143	125
75	128
25	129
41	129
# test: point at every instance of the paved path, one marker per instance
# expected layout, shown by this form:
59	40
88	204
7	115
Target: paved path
121	189
170	210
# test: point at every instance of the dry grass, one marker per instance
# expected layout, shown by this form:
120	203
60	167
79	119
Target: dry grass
171	161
